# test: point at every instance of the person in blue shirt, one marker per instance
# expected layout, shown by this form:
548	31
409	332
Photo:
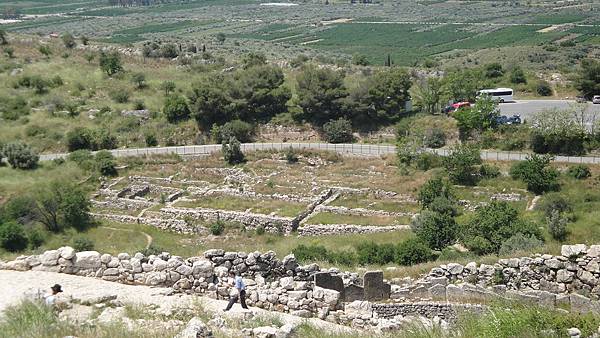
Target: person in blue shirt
239	291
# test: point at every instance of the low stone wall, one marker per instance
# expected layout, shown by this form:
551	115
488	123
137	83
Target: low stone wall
446	311
279	285
273	224
361	211
339	229
170	224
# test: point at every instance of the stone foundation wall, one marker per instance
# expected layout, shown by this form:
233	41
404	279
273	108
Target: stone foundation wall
338	229
445	311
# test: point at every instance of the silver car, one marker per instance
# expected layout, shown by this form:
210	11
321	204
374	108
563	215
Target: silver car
596	99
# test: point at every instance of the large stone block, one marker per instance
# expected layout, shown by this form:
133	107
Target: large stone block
327	281
354	292
375	288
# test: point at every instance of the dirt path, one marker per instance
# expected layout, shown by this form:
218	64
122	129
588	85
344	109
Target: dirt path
149	238
15	285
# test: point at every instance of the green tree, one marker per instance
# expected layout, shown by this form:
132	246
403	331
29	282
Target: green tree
492	225
89	57
338	131
209	103
412	251
232	152
494	70
537	174
139	80
517	76
240	130
429	94
176	109
168	87
253	59
588	79
62	204
461	164
463	84
20	156
110	62
389	93
434	188
543	88
482	116
320	93
68	40
12	237
258	93
360	60
557	226
436	229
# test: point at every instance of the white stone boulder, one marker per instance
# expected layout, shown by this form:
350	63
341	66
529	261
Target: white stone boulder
195	329
66	252
87	260
573	250
50	258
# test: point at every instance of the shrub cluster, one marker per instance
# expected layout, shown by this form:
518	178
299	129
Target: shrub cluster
338	131
85	138
536	173
19	155
409	252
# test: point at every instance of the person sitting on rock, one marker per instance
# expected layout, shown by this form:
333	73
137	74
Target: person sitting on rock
239	291
50	298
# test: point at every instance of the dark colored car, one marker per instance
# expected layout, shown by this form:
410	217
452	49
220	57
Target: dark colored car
503	119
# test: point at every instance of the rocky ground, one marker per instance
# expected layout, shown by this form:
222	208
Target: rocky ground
90	295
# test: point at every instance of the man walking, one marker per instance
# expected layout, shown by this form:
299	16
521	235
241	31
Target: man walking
240	291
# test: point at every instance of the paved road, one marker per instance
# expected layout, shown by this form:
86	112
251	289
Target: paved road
351	149
528	108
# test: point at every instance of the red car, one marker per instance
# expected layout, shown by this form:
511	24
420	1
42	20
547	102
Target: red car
455	106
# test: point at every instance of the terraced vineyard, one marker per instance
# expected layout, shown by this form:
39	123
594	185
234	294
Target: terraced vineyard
402	29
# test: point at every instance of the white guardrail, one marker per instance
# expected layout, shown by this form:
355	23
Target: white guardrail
343	148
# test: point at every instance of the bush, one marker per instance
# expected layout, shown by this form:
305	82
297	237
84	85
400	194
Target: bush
557	225
119	95
139	80
36	238
242	131
310	253
492	225
176	109
232	152
103	139
489	171
537	174
433	188
290	156
461	164
434	138
68	40
20	156
520	243
517	76
12	237
260	230
80	138
580	171
338	131
412	251
437	230
151	140
152	249
83	157
543	88
443	205
217	228
105	163
426	161
82	244
19	208
553	201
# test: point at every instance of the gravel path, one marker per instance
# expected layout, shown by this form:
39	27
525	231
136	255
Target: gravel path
15	285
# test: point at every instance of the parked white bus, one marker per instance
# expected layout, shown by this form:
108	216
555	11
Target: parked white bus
499	94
